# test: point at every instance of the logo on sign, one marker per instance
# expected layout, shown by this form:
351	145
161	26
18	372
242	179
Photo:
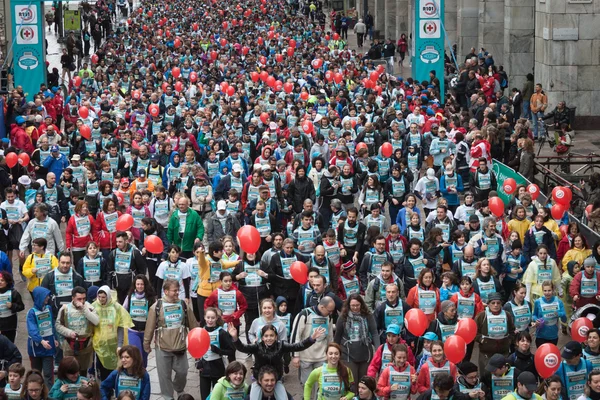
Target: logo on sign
430	29
28	61
428	9
28	34
429	55
26	14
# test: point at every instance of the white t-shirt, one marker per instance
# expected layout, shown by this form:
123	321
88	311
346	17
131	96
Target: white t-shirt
178	271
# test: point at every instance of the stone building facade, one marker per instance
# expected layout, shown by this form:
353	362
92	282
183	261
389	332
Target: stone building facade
557	40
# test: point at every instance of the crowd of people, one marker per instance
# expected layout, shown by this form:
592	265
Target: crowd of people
196	119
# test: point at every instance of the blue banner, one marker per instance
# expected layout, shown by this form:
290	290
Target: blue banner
429	41
28	45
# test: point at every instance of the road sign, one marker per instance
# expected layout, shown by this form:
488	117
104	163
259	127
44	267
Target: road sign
429	41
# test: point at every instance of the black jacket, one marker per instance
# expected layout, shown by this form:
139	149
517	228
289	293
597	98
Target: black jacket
271	355
299	190
10	323
9	355
216	368
49	283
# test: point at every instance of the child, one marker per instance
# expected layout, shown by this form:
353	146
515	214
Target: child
68	380
514	267
233	204
285	317
34	387
383	355
228	299
15	375
422	358
332	249
547	310
41	331
468	303
348	282
573	268
92	266
449	286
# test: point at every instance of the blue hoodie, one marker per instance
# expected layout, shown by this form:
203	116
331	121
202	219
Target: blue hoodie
165	179
34	347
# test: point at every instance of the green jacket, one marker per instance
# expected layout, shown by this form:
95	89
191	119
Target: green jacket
194	229
219	391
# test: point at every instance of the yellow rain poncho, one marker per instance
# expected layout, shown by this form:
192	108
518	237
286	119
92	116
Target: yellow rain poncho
106	339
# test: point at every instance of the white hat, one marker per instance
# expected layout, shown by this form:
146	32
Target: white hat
237	168
76	157
430	174
221	205
265	167
273	126
25	180
41	182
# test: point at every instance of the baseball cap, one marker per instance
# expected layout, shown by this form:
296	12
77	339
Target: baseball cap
154	157
124	180
20	120
393	329
430	174
494	296
54	149
528	380
473	218
142	172
496	362
571	349
76	157
237	168
221	205
430	336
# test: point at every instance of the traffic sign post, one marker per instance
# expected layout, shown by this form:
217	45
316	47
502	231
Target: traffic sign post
28	45
429	41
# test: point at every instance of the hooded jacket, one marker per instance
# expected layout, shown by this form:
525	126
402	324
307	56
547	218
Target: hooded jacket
34	339
106	240
220	389
108	334
299	190
172	164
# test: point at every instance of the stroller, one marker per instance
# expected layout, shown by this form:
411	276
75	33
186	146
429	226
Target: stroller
591	311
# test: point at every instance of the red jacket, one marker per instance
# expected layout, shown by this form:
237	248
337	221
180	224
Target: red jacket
244	197
383	384
423	381
413	300
241	306
341	290
575	289
102	236
375	365
20	139
73	239
478	303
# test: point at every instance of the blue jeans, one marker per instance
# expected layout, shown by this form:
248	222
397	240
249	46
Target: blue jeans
526	109
536	123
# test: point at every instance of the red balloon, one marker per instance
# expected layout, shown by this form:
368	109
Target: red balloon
562	195
12	159
249	239
230	91
455	348
279	57
223	42
278	85
224	85
292	43
308	126
95	59
248	13
136	94
374	76
270	34
150	14
154	110
557	211
509	186
369	84
304	96
179	86
193	77
290	51
387	149
361	145
338	78
533	190
85	132
245	50
380	69
547	360
270	81
260	41
317	63
125	222
353	123
264	75
589	209
84	112
176	72
153	244
416	321
24	159
254	76
377	89
263	61
329	75
120	197
466	329
299	272
496	206
195	26
580	329
145	27
336	36
264	117
77	81
214	55
198	342
177	43
225	25
288	87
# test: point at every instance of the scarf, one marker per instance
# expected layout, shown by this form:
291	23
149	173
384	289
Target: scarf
357	319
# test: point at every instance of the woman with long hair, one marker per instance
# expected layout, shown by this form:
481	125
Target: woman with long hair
106	227
356	333
129	376
519	308
486	281
93	266
579	251
437	361
140	298
334	373
541	268
10	304
425	296
211	365
34	387
91	391
268	316
80	231
551	388
68	379
566	242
